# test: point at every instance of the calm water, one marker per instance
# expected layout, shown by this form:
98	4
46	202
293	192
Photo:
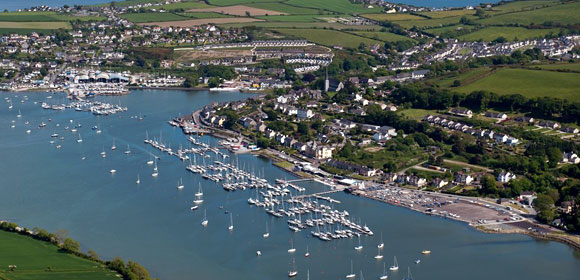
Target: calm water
13	5
151	223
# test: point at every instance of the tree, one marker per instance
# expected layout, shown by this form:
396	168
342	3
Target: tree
138	271
544	204
489	185
93	255
213	82
70	245
554	156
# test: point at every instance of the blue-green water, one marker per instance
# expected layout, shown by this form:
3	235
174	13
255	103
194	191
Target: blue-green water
151	223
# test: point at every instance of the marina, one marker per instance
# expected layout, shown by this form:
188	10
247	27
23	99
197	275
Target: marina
102	209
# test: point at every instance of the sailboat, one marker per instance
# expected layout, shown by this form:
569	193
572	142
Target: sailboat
293	272
231	227
395	265
138	180
80	139
382	244
379	256
292	249
307	252
128	151
199	193
204	221
19	114
113	147
409	276
155	173
180	184
384	276
359	247
267	234
351	275
361	275
103	153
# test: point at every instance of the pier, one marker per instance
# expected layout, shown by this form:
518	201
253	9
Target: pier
319	194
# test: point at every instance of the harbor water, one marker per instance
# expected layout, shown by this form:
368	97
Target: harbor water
151	222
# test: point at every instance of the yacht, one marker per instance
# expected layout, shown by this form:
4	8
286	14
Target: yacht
180	184
204	221
80	139
267	234
293	272
379	256
138	180
28	131
292	249
307	254
382	244
417	261
395	265
351	275
199	193
112	171
384	276
359	247
113	147
259	253
194	207
425	252
128	151
231	227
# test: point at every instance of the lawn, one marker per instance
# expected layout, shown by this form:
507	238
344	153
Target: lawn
530	83
33	257
416	114
392	17
302	25
441	30
382	36
340	6
426	23
564	14
152	17
203	15
328	37
281	7
510	33
183	5
35	25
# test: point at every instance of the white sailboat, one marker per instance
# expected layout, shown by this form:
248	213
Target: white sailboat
359	247
293	272
180	184
292	249
199	193
379	256
351	275
138	180
267	234
231	227
80	139
128	151
19	114
307	254
395	265
382	244
384	276
155	171
409	276
204	221
113	147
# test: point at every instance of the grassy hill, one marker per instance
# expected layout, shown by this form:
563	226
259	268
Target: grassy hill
33	259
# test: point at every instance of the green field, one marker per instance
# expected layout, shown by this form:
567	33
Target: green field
35	25
236	2
152	17
392	17
382	36
340	6
302	25
294	18
203	15
564	14
450	13
182	5
33	258
42	16
441	30
523	5
530	83
416	114
465	77
437	22
328	37
283	8
561	66
510	33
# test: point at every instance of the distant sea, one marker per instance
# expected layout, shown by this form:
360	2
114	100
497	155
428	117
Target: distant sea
13	5
443	3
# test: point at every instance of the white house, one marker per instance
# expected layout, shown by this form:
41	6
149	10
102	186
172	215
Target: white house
505	177
570	157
